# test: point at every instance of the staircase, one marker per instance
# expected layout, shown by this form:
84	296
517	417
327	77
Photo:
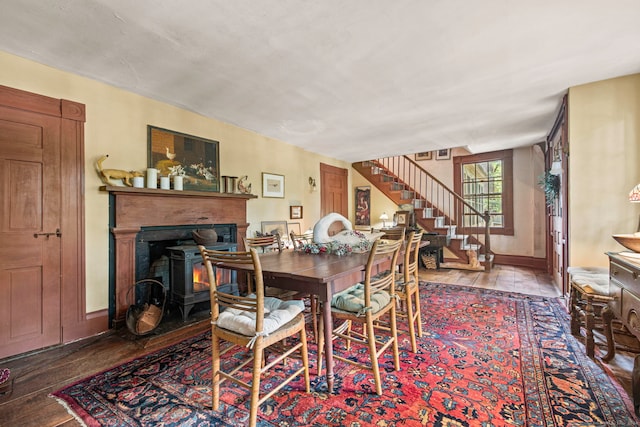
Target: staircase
436	207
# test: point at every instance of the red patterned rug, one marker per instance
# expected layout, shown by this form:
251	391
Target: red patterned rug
488	358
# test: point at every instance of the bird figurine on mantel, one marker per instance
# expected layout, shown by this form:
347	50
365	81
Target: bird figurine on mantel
170	156
245	189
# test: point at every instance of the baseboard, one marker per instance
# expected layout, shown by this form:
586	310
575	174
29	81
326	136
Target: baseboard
94	323
521	261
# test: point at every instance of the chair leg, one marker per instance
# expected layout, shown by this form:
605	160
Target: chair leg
314	316
418	312
373	354
305	359
410	319
589	322
394	336
255	382
215	377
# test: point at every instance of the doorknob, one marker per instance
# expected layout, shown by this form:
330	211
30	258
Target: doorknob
57	234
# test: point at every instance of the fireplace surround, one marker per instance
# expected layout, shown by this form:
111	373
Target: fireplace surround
132	209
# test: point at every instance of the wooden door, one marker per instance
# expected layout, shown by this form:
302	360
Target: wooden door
30	223
334	193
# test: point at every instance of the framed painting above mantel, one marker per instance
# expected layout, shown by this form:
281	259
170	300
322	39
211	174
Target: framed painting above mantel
196	159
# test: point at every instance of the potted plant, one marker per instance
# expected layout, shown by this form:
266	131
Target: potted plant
550	184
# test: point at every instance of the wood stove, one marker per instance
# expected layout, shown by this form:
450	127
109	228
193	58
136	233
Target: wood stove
188	276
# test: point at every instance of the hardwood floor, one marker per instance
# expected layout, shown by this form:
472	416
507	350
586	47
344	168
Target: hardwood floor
38	374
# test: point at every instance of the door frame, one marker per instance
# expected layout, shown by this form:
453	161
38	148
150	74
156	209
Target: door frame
75	322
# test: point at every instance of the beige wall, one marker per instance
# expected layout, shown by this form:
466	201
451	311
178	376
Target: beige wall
604	165
117	124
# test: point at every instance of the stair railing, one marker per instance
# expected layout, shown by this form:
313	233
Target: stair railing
432	198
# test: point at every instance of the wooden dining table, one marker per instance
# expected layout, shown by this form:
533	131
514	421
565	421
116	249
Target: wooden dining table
322	275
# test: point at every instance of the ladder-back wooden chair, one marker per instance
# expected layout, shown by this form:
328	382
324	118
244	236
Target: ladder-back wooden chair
255	323
408	290
365	303
299	240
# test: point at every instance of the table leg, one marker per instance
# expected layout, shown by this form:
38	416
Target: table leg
607	318
328	343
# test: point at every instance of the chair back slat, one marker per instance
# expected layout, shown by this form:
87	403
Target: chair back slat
265	243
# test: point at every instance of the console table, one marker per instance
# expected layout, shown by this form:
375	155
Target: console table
624	281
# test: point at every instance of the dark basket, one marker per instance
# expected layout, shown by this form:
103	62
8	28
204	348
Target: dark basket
146	313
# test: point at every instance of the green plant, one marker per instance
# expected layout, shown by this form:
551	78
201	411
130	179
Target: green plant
550	184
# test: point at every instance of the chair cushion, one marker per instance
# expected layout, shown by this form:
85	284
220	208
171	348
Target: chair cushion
592	283
352	299
587	270
277	313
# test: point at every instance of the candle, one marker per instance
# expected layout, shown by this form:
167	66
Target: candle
164	183
177	182
138	181
152	178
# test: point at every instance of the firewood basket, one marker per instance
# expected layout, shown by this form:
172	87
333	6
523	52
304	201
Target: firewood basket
146	313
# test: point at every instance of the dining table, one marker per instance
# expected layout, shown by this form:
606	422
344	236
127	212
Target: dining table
320	274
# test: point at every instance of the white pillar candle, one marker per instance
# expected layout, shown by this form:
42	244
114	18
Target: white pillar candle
152	178
164	183
177	182
138	181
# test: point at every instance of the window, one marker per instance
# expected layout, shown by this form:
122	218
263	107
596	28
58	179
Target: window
485	181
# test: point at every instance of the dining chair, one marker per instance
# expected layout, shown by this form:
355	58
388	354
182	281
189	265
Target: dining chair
408	290
268	243
252	323
365	303
299	240
394	233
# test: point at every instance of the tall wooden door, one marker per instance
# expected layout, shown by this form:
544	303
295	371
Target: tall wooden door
334	192
30	223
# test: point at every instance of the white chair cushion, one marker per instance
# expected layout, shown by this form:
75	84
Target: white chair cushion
277	313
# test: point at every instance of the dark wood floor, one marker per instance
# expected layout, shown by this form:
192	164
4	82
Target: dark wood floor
38	374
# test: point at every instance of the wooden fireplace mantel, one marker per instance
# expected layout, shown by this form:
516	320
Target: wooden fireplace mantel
134	208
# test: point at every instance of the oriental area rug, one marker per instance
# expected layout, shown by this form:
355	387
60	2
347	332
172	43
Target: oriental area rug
487	358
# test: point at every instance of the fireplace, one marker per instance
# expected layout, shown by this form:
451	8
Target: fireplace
169	255
136	210
188	276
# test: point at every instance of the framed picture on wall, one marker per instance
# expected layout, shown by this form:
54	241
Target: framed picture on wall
276	227
424	156
272	185
363	209
295	212
443	154
174	153
402	218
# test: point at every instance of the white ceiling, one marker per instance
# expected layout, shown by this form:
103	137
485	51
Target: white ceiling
352	80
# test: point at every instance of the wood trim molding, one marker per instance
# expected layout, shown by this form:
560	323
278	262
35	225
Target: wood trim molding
521	261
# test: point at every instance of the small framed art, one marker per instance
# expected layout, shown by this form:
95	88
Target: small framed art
275	227
443	154
424	156
402	218
295	212
272	185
